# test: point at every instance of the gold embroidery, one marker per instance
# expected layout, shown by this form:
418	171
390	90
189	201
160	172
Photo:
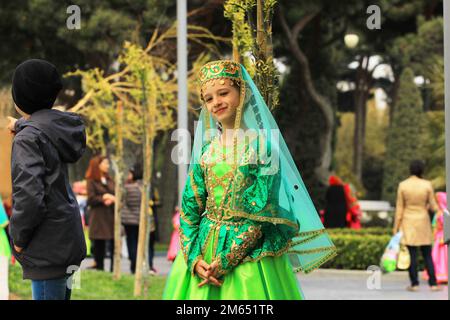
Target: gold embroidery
185	219
220	270
310	251
311	236
316	263
268	254
220	69
184	247
216	240
249	239
196	195
263	218
311	232
221	221
208	237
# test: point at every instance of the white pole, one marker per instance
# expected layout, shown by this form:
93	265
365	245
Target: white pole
182	88
447	112
4	262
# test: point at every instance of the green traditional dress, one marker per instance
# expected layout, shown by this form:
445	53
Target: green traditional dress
245	206
266	276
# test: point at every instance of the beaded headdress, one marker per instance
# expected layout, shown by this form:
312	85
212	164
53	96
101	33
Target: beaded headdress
220	69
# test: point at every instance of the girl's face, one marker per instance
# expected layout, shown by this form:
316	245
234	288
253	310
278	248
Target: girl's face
104	166
222	100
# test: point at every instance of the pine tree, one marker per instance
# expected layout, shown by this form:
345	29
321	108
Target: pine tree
403	142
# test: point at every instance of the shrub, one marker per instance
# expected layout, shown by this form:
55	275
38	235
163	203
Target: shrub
359	249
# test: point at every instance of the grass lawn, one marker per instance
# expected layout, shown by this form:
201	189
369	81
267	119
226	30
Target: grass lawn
95	285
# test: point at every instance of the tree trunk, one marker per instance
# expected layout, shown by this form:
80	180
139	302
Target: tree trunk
149	122
142	250
118	168
363	84
168	200
323	168
358	136
140	255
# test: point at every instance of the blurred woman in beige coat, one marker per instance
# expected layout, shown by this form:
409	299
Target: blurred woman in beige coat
415	197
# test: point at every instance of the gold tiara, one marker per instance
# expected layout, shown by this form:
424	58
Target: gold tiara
219	69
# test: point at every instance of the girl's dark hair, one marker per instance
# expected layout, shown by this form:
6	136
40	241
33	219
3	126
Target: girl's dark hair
137	171
417	167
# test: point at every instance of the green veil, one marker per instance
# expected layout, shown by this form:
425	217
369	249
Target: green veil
283	197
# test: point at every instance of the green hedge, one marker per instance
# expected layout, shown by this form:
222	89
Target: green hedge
359	249
362	231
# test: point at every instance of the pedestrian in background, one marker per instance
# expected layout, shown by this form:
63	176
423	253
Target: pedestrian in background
100	201
439	252
131	211
174	245
335	212
415	196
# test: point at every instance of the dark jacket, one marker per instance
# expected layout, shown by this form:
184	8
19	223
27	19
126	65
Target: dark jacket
45	218
335	207
101	217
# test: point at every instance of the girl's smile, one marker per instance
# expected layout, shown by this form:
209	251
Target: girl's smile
220	110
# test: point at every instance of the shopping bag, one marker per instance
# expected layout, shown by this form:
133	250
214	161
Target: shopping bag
389	259
403	260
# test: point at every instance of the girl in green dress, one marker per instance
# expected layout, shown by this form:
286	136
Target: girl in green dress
247	222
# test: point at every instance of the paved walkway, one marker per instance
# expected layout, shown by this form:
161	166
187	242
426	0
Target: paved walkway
330	284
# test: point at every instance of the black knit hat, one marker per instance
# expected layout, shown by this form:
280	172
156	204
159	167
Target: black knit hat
35	85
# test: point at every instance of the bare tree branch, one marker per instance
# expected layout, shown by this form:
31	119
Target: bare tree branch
322	170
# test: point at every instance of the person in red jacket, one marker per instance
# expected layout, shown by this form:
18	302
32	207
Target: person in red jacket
340	198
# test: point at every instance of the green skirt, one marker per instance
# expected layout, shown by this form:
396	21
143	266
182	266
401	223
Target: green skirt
270	278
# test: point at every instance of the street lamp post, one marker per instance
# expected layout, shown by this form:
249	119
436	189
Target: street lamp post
182	89
351	41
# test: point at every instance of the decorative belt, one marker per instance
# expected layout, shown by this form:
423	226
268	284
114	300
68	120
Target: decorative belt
225	222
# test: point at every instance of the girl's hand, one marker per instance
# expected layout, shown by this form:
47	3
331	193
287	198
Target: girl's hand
201	268
212	270
18	249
